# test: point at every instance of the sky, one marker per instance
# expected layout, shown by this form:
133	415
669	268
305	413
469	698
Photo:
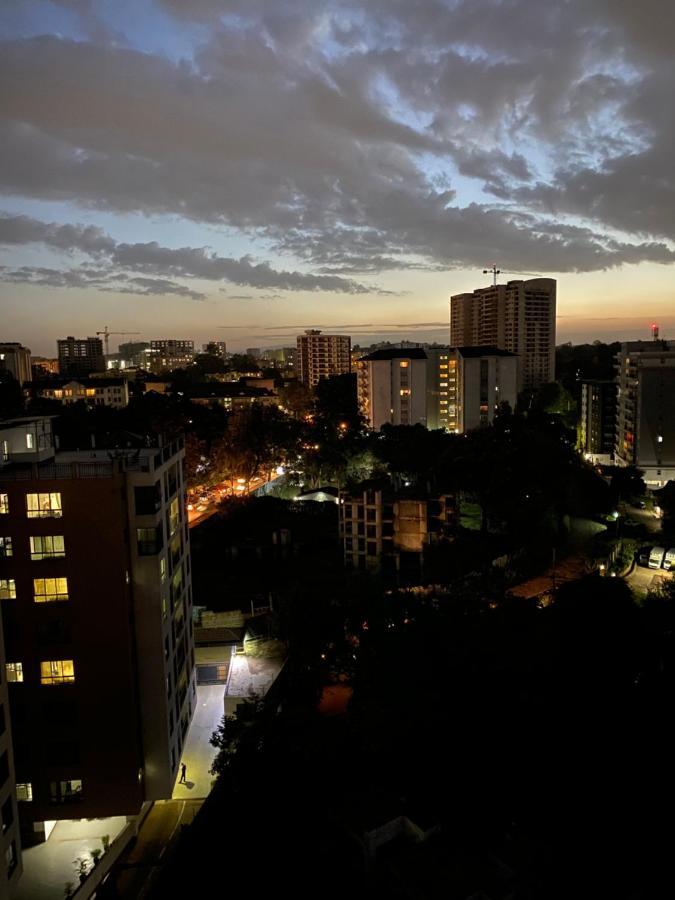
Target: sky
240	170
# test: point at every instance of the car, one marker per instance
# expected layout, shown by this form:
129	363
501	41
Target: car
643	555
656	557
669	560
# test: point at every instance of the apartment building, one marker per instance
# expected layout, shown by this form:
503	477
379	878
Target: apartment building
645	417
519	316
80	356
386	531
10	842
455	388
597	420
16	359
321	356
95	596
170	354
392	387
94	391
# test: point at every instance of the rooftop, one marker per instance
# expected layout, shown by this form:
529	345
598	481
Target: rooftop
472	352
396	353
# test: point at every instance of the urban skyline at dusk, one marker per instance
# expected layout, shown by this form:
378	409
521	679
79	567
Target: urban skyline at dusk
305	166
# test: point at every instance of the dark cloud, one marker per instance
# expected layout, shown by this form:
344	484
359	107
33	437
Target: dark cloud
151	258
337	132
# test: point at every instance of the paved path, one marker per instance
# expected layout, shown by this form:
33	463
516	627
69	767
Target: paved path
198	753
132	876
49	866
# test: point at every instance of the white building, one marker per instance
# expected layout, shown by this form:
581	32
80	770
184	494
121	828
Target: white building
15	359
392	387
645	417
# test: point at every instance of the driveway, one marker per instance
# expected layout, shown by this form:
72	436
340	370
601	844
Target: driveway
198	753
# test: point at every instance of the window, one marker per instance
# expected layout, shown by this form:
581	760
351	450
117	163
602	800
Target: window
4	504
148	541
48	590
4	769
48	546
147	499
162	569
57	671
14	671
404	364
11	859
7	589
30	441
44	506
24	792
4	447
65	791
174	516
5	547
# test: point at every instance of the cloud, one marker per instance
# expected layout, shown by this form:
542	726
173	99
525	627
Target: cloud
151	258
358	138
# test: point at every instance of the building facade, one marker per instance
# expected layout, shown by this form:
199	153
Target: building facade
94	392
80	356
597	420
392	387
10	840
170	354
519	316
645	417
96	605
16	359
455	388
486	379
321	356
382	530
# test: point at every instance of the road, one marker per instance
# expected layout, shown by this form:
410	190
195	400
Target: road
132	875
203	511
641	580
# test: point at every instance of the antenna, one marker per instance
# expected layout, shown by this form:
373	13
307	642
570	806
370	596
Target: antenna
655	332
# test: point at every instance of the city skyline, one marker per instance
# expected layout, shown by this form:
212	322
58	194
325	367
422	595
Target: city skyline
270	168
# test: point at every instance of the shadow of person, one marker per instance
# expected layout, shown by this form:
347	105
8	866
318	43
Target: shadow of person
189	785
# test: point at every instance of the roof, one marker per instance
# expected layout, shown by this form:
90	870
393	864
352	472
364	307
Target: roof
469	352
396	353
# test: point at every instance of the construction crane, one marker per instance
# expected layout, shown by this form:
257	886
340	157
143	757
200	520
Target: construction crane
106	335
495	271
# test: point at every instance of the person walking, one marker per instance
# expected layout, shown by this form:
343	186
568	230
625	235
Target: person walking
183	770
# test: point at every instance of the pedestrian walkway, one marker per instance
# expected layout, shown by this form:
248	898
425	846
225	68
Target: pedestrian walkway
48	867
198	753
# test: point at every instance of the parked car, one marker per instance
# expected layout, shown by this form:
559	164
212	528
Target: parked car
643	555
656	557
669	559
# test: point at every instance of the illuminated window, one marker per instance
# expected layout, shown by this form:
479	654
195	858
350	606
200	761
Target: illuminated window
48	590
404	364
24	792
174	515
405	392
65	791
48	546
14	671
44	506
4	504
162	569
5	547
30	440
57	671
7	589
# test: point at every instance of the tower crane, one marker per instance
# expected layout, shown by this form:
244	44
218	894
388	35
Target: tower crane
106	335
494	271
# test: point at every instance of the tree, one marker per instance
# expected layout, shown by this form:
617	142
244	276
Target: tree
297	398
11	396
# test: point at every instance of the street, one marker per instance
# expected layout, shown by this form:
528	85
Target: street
130	878
204	510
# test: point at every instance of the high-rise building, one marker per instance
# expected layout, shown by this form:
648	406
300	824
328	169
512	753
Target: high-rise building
80	356
519	316
645	418
171	354
96	606
456	388
321	356
597	421
15	359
